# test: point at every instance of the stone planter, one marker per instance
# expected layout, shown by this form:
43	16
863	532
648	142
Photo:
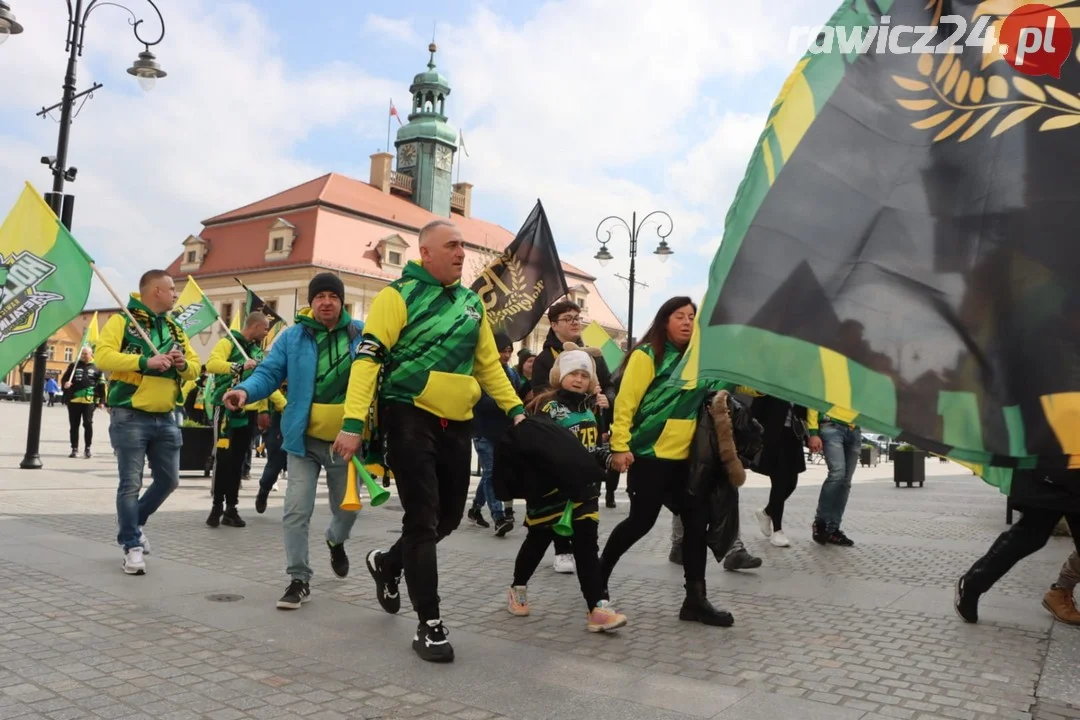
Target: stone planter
869	456
909	466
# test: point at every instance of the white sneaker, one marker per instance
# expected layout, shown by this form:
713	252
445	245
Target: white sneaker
779	539
764	523
144	542
133	562
565	564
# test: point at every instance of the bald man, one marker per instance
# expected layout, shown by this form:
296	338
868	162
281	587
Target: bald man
432	337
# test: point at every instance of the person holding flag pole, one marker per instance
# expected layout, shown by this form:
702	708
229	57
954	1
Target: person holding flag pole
149	357
84	390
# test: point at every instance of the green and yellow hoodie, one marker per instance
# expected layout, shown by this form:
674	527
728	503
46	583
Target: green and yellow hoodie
655	418
227	364
433	343
122	352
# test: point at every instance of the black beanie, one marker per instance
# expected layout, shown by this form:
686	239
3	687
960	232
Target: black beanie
502	341
325	282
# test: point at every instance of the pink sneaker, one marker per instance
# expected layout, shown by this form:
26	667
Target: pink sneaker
517	601
603	618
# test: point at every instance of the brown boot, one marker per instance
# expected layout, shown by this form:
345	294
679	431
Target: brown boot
1062	605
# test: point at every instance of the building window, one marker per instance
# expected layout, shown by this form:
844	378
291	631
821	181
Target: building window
226	313
272	304
277	244
52	352
68	354
393	257
192	256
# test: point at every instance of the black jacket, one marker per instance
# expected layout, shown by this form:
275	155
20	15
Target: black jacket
489	420
541	377
783	444
83	375
537	455
1046	490
723	446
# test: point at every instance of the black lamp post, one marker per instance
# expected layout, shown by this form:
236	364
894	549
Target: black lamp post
147	70
633	228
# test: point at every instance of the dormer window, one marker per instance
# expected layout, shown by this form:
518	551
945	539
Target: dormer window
194	254
392	251
280	241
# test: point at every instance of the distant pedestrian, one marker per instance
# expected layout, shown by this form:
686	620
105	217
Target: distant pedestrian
84	388
51	388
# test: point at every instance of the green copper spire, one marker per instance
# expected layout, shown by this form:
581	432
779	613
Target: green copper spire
426	145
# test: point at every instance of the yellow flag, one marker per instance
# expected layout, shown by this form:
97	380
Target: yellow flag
193	311
235	324
90	335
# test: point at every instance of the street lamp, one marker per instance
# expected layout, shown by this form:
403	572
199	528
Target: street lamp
633	228
147	70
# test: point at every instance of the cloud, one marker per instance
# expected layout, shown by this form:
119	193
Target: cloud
400	30
222	130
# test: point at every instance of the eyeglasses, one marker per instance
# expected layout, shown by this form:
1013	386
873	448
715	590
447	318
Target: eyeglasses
571	319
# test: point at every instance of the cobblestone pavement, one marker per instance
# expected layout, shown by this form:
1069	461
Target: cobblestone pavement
865	632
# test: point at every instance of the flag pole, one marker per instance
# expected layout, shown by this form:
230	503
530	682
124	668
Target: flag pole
389	114
232	337
124	308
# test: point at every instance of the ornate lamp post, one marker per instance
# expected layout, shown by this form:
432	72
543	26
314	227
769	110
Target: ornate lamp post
147	70
633	229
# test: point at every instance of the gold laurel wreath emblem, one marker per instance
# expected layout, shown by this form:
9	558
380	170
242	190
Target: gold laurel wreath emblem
963	100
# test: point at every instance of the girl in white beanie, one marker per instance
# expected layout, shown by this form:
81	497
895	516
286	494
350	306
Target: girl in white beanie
573	375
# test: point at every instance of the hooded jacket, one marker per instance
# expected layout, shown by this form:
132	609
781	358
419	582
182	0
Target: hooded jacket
122	352
294	355
430	346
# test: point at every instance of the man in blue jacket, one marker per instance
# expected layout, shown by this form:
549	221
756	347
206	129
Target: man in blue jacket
315	356
489	423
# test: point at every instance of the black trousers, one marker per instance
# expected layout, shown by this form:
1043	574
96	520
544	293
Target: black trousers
584	545
650	483
81	413
1027	536
783	484
276	457
230	463
431	459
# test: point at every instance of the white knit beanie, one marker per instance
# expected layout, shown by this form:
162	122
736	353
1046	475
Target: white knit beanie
571	359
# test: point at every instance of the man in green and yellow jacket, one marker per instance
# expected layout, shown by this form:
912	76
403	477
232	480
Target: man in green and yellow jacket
231	361
143	385
429	340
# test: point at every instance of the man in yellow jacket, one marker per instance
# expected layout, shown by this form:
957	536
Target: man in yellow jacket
428	336
142	393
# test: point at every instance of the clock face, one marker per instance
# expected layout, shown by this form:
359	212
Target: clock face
444	158
406	156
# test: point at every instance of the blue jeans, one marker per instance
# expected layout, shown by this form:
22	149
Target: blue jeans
300	503
841	448
485	493
137	437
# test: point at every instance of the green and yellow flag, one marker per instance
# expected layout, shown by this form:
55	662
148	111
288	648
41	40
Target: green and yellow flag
37	251
194	312
90	335
902	250
594	335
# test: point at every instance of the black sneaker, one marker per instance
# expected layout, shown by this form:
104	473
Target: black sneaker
476	517
74	453
298	593
386	587
338	559
609	501
966	603
260	502
214	519
837	537
819	533
430	642
233	519
741	559
87	454
503	526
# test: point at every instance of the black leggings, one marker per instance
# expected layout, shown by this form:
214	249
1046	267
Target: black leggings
584	546
783	484
649	484
81	413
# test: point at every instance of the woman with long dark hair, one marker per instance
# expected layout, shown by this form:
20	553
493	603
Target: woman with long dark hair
655	422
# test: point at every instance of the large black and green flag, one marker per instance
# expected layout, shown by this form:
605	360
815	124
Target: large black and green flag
522	282
902	252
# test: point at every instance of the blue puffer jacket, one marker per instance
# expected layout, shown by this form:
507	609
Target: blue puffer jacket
292	356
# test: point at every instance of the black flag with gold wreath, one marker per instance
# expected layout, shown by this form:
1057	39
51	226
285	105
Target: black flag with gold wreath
520	285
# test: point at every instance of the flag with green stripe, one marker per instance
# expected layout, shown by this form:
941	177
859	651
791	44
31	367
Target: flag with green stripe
901	251
46	279
594	335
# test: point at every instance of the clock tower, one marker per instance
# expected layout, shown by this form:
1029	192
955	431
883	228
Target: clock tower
426	144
